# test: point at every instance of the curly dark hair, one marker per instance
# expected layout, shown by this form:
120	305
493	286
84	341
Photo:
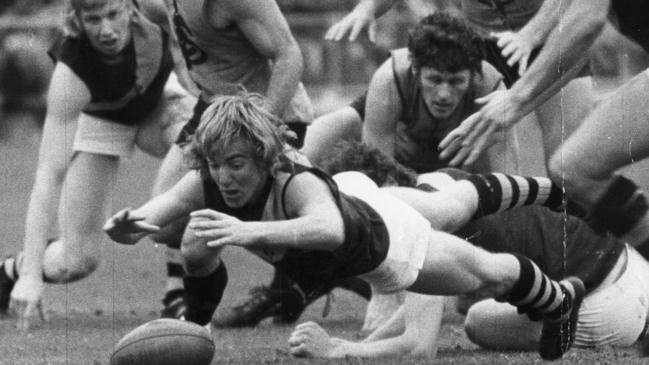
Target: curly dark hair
357	156
445	43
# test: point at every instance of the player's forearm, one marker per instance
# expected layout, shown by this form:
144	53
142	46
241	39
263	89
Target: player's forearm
286	73
310	233
393	327
40	212
566	46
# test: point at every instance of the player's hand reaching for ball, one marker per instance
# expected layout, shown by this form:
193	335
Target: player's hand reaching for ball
127	227
465	144
27	300
220	229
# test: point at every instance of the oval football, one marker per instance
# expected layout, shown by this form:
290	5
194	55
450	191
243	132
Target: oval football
165	342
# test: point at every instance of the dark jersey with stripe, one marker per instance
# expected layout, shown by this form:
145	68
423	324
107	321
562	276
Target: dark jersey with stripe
633	20
115	94
366	237
560	245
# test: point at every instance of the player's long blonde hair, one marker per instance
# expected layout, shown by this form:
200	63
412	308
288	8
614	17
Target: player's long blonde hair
237	117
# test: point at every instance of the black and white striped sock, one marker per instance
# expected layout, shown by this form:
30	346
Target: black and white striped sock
498	192
534	289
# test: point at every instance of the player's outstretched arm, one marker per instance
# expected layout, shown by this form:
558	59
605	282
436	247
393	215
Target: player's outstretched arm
266	28
129	226
315	221
559	61
422	316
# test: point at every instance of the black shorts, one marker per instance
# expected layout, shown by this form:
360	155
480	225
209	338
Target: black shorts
190	127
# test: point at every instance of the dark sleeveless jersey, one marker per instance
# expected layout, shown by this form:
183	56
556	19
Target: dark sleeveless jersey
633	20
366	237
538	233
127	91
418	132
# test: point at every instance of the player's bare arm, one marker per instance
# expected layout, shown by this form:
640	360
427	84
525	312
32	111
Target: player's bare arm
66	98
266	28
518	46
314	221
382	110
420	317
128	226
156	11
561	57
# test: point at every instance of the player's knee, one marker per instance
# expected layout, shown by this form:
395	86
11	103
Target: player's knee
557	170
197	257
472	328
65	267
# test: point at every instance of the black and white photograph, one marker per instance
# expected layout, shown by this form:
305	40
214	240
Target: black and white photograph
200	182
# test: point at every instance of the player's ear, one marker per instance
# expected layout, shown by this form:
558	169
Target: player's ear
71	23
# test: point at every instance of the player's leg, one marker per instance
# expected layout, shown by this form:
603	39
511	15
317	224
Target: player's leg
612	136
156	136
467	269
54	157
84	204
339	125
205	278
83	209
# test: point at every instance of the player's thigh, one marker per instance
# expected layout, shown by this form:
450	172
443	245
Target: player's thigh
161	127
343	124
613	135
498	326
453	266
85	197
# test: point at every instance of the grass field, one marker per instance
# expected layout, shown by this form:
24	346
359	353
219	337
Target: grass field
89	317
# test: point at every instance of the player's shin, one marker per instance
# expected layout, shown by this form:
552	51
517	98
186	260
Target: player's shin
203	294
557	303
499	192
173	301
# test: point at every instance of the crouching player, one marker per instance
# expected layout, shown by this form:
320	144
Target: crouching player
614	311
113	84
250	192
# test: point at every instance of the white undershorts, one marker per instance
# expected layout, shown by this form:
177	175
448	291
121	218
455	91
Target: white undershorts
102	136
409	233
616	314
